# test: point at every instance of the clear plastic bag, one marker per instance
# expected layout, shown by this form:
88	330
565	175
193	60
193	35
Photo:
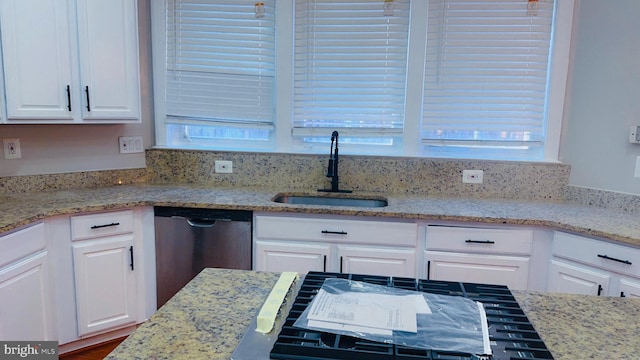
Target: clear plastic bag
354	308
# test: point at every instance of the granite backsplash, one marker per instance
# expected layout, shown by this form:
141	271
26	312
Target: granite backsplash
397	175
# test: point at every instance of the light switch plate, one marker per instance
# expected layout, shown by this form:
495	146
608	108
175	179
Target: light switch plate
130	144
637	172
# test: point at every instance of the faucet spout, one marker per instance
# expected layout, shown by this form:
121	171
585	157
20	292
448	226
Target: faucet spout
332	169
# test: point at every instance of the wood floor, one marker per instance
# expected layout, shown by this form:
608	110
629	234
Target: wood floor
97	352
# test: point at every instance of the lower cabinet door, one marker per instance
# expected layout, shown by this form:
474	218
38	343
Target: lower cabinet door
302	258
512	271
377	261
25	301
105	283
576	279
629	288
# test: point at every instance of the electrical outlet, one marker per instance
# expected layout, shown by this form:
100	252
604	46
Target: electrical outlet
11	148
223	166
130	144
472	176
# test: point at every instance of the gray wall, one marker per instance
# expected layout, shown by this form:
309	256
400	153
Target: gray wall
602	102
603	96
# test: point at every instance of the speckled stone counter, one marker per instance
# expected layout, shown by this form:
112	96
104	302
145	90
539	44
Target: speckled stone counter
208	317
585	327
22	209
205	320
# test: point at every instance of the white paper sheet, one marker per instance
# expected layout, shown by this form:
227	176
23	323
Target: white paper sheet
367	310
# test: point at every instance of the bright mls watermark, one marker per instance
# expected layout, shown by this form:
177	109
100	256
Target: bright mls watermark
40	350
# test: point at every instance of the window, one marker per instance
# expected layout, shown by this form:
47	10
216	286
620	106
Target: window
220	67
350	69
447	78
486	78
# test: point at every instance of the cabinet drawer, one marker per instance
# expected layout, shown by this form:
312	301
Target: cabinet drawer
599	253
102	224
479	240
335	230
21	243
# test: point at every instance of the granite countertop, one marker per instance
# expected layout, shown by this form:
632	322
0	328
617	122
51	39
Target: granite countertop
209	316
22	209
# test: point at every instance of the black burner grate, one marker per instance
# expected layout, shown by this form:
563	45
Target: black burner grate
512	335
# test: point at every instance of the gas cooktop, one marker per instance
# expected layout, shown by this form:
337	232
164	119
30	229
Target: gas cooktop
512	335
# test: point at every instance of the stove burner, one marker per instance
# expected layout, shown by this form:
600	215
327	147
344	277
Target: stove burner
512	335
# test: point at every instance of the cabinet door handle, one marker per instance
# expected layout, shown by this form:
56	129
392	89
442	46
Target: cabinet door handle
599	289
131	256
324	264
340	264
86	90
69	97
614	259
469	241
334	232
105	225
429	270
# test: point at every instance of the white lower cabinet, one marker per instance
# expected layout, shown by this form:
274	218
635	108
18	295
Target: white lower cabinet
628	287
574	278
387	261
105	283
287	242
112	266
512	271
581	265
26	309
479	255
279	256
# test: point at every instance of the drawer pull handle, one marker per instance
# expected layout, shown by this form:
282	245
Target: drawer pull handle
103	226
469	241
334	232
614	259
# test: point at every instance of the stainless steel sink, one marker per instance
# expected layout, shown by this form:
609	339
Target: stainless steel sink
330	200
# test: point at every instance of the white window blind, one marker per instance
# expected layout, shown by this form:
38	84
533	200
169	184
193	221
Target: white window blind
220	63
350	66
486	75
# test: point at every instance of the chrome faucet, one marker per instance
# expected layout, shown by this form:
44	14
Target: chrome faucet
332	170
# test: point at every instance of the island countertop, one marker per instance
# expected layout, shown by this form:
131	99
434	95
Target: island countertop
209	316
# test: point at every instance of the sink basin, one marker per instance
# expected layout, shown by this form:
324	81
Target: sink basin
330	201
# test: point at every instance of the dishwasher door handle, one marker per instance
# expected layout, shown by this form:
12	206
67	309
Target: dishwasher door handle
201	223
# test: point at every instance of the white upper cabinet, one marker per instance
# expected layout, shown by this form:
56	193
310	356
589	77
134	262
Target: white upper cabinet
108	46
38	67
70	61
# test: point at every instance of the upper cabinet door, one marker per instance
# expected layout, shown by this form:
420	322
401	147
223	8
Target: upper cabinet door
37	57
109	60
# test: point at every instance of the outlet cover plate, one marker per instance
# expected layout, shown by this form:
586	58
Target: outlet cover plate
223	166
11	148
472	176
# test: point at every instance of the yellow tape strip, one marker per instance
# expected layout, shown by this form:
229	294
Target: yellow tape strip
269	311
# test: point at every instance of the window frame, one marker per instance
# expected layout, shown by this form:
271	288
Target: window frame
410	143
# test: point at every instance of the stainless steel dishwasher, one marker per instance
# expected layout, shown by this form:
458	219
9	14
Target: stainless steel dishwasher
189	240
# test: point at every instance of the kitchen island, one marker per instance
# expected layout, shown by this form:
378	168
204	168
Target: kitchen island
209	316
